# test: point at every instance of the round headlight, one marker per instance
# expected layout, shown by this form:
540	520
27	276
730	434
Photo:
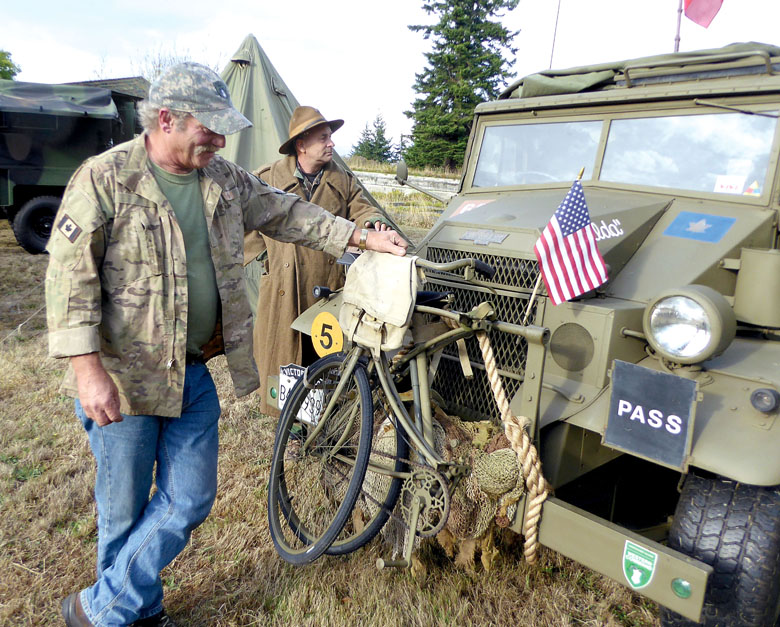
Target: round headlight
690	324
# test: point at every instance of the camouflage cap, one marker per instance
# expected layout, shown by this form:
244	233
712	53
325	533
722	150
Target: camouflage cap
197	89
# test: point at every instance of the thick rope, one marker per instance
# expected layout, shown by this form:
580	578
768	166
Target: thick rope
516	430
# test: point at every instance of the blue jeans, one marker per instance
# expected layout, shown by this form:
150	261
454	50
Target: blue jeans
139	536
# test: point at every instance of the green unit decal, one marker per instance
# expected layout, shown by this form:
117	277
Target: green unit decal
638	565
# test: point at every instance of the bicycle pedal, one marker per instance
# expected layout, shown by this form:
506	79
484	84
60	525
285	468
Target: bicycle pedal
382	564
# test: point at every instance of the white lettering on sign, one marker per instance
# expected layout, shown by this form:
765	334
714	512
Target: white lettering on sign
606	231
655	417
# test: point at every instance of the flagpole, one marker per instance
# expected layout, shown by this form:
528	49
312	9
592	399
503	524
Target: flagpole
533	297
555	34
679	19
539	278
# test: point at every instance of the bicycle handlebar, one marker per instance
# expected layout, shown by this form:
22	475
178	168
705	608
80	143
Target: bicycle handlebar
486	270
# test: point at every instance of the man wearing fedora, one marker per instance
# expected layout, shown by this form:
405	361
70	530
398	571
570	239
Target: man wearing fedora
144	285
309	171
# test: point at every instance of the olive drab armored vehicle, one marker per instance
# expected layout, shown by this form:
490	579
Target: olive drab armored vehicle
46	132
657	426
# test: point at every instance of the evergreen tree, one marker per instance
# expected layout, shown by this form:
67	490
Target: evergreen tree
363	146
374	144
8	69
465	67
383	148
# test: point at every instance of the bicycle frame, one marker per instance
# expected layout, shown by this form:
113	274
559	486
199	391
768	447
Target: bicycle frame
420	429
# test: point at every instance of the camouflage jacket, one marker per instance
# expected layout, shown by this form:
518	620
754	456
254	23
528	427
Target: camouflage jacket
117	281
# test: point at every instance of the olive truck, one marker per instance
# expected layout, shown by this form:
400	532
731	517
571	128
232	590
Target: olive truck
657	425
46	132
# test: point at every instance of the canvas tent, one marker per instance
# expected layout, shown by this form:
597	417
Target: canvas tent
261	95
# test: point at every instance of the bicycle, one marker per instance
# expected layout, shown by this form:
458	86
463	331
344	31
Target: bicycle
346	447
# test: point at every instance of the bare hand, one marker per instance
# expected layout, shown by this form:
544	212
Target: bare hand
98	393
386	241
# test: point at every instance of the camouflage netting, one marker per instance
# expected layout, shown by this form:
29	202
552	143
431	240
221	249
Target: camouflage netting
488	494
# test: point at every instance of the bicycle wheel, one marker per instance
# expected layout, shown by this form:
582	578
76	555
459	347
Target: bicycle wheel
319	459
380	489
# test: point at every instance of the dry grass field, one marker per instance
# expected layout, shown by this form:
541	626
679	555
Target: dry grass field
229	574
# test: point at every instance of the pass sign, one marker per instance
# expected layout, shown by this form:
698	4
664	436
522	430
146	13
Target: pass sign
650	414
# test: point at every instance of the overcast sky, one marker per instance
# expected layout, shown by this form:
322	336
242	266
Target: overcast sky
352	59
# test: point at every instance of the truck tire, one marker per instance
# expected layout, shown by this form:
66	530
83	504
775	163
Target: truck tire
32	223
735	528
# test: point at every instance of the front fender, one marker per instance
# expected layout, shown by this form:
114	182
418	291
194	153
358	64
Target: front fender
303	323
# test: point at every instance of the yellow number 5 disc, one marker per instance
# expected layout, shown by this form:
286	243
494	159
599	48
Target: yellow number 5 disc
326	334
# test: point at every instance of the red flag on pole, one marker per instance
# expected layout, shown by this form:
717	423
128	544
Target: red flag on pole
567	252
702	11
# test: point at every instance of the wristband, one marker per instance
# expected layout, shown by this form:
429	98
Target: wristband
363	238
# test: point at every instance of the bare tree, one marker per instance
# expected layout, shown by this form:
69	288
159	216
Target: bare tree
155	62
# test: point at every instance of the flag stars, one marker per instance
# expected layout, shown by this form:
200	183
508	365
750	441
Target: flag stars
572	215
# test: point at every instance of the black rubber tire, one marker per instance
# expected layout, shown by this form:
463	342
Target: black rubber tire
32	224
379	492
735	528
311	494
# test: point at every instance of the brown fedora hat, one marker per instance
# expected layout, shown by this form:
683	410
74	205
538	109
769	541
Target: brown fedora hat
304	118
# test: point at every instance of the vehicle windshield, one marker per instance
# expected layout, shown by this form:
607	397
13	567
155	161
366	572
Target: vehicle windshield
520	154
726	153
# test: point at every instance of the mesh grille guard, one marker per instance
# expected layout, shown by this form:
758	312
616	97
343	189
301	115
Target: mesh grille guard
474	399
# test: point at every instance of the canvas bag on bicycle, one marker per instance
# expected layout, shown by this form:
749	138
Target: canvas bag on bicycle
378	300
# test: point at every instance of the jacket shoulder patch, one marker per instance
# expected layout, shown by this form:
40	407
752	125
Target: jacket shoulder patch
68	227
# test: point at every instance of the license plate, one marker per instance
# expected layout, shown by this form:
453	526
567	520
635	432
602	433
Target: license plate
651	414
311	408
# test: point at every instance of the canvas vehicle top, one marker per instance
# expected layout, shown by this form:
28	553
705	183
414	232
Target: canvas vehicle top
46	132
661	387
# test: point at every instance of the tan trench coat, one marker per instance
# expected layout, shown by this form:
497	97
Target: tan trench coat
286	291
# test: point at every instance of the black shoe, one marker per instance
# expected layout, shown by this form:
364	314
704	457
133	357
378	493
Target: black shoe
161	619
73	613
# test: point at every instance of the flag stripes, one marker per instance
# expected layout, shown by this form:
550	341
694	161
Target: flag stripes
568	255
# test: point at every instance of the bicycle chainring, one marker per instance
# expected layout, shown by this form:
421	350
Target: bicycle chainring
432	489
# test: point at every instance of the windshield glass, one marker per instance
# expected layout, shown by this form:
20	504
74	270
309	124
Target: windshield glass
724	153
520	154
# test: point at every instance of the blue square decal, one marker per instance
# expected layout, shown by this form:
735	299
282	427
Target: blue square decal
702	227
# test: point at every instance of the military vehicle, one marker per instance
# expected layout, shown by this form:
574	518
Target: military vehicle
658	423
46	131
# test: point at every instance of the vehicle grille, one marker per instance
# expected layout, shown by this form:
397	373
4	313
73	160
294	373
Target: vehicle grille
473	399
516	278
511	272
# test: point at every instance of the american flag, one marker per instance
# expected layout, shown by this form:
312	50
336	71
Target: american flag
567	252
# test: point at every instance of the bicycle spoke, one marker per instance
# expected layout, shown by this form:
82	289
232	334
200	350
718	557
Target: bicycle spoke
320	455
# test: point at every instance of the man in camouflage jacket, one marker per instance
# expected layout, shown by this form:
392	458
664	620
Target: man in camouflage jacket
145	282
